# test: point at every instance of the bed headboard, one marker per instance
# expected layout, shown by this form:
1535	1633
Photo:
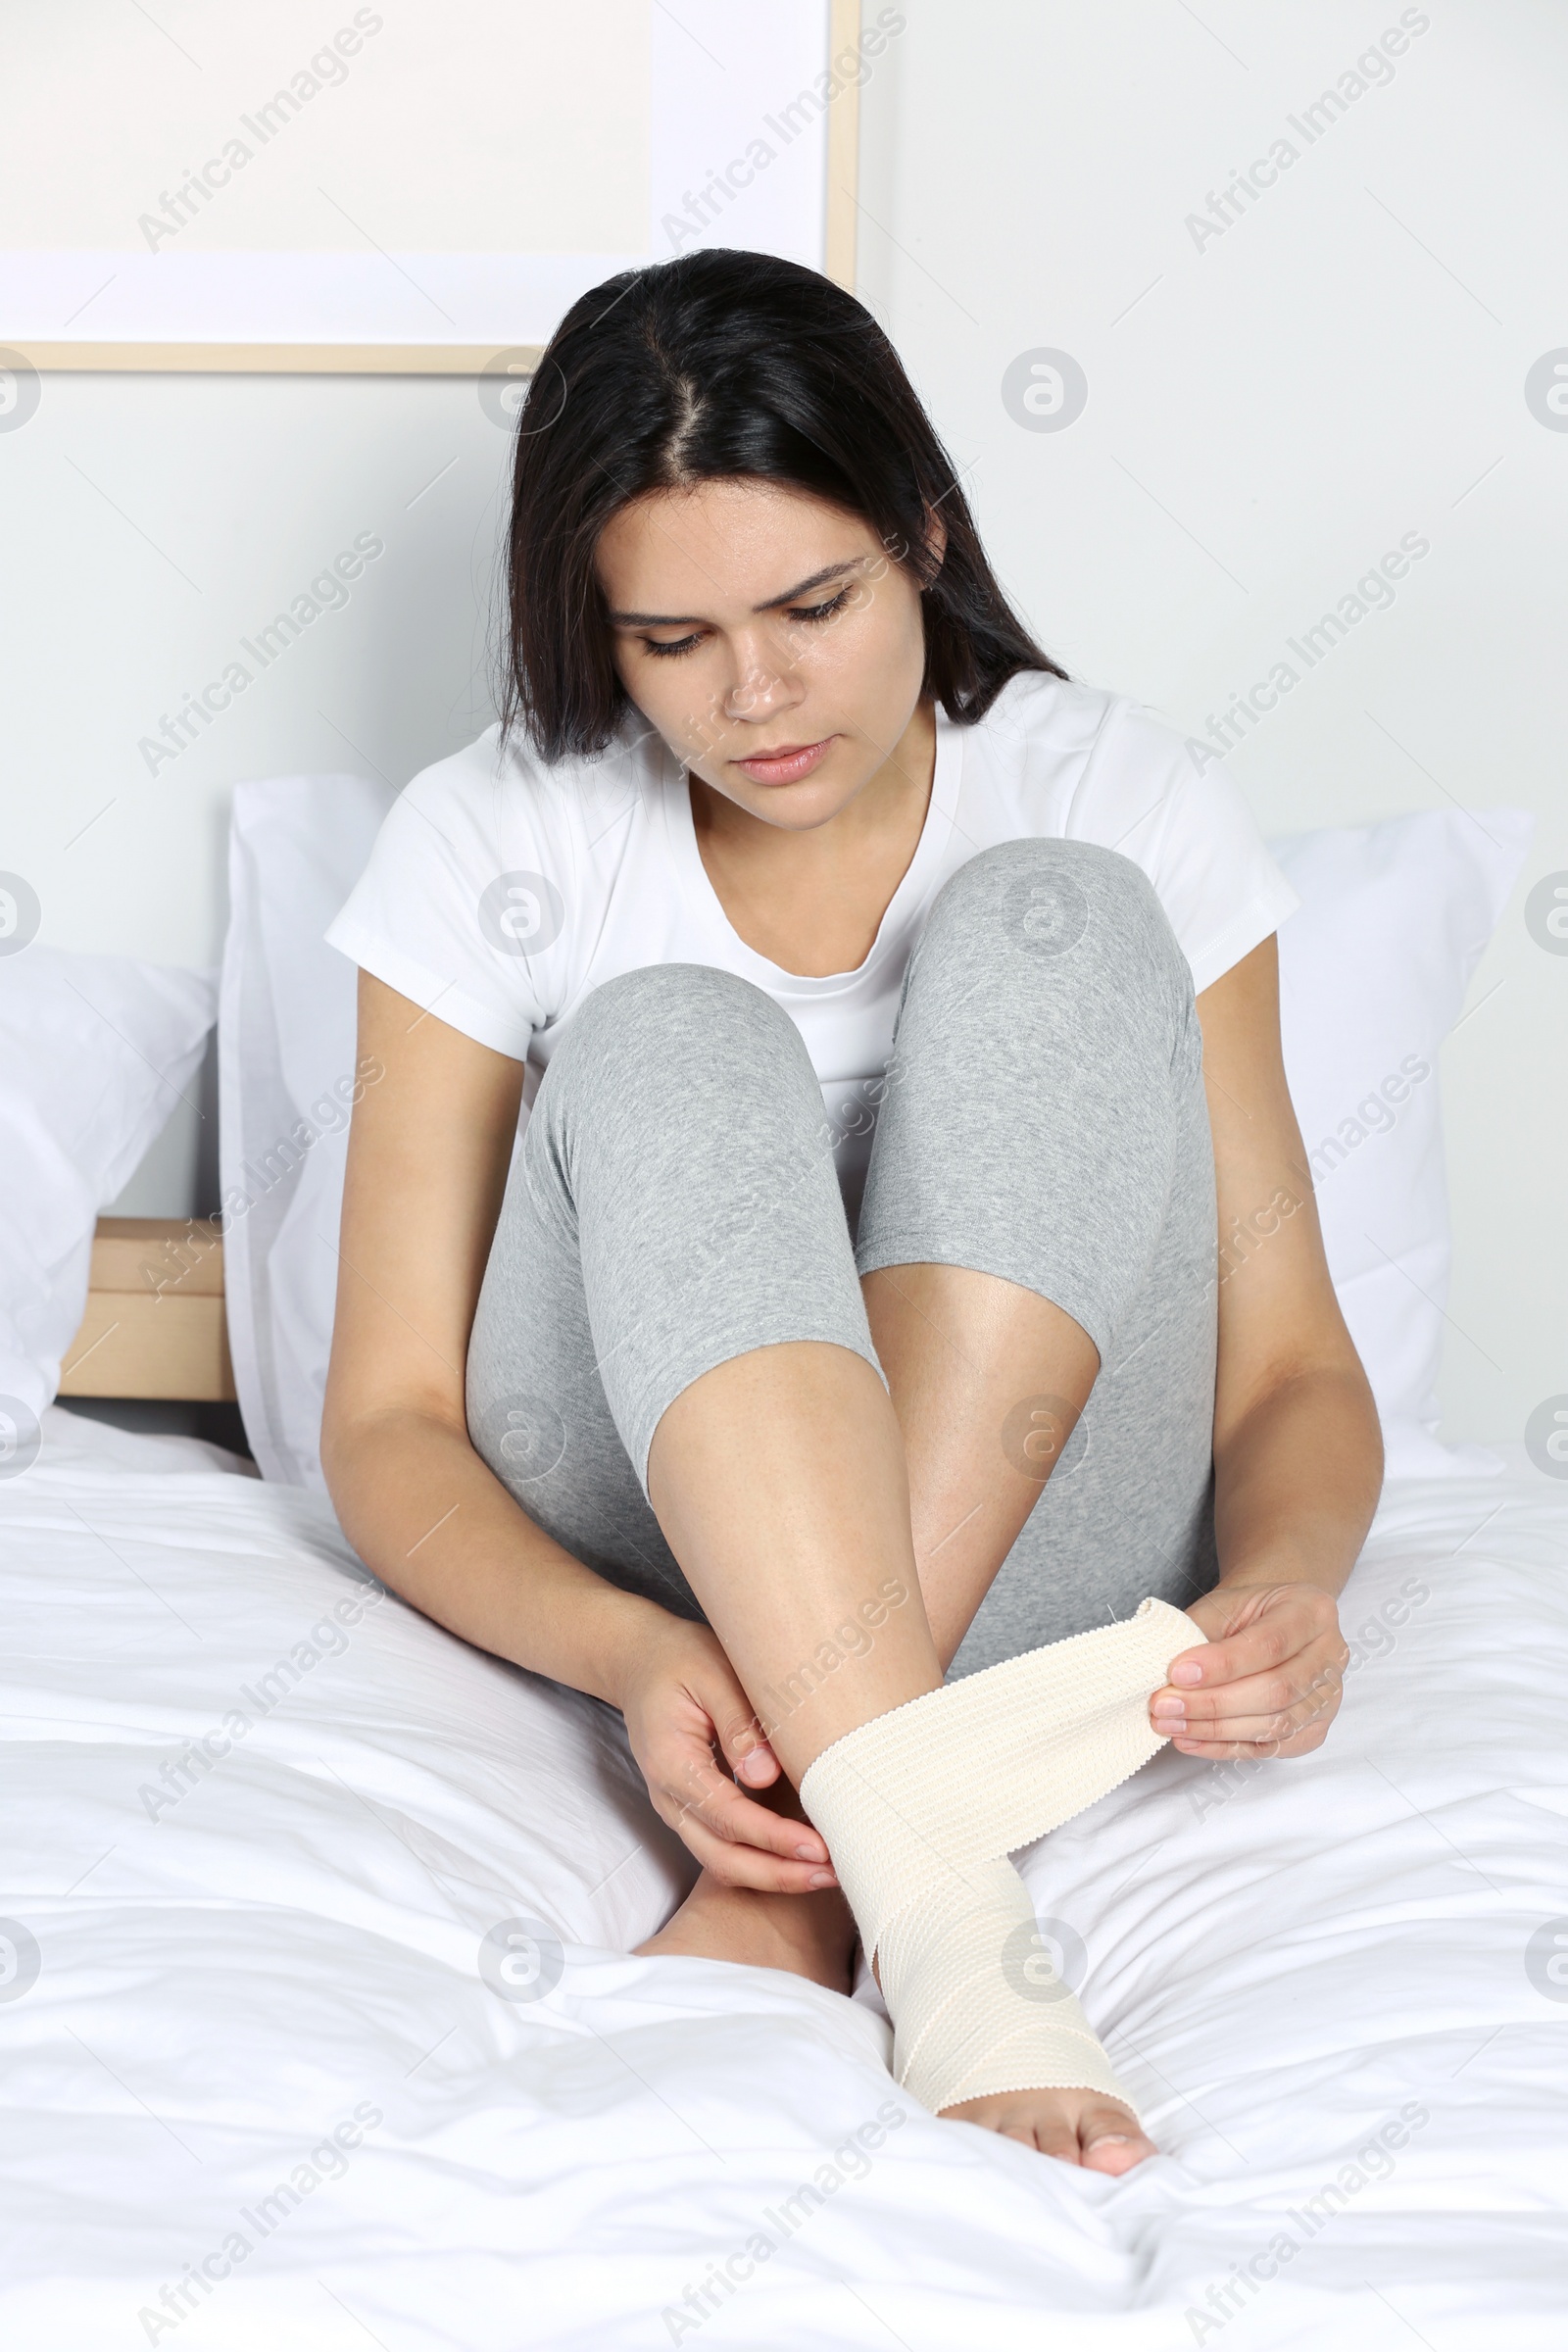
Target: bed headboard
154	1325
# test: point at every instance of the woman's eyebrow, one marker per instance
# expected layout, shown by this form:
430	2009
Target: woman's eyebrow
818	579
675	620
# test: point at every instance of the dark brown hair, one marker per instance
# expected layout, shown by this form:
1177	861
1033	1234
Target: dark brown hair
717	365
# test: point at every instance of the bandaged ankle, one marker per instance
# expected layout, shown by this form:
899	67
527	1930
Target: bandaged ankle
921	1808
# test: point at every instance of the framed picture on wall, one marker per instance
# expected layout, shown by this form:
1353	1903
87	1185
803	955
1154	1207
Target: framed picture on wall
385	187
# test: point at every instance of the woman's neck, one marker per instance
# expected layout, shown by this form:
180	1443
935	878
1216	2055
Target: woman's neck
812	901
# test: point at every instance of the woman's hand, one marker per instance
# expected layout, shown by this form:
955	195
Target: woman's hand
685	1710
1268	1683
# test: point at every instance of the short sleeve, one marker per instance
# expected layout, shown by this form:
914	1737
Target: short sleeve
461	902
1172	805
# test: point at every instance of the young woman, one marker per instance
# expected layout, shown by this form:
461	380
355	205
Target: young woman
897	1022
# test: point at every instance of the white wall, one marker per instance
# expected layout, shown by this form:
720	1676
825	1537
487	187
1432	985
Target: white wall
150	523
1265	416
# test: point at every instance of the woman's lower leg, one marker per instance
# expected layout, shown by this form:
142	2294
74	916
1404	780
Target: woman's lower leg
799	1495
780	1481
988	1380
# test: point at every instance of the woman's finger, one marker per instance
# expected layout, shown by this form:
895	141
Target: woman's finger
1284	1699
745	1743
1253	1649
1273	1731
742	1843
695	1789
1257	1731
1231	1752
1296	1621
716	1705
747	1866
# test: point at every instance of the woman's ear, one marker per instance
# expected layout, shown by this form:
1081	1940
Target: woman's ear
897	550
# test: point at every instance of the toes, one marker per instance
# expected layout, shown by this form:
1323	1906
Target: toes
1112	2141
1116	2155
1055	2136
1099	2137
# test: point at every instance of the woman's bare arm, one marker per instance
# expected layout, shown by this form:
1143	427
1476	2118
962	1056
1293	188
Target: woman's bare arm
428	1154
427	1161
1298	1452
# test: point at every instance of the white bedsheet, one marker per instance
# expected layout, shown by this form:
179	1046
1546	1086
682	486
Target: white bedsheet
1277	1971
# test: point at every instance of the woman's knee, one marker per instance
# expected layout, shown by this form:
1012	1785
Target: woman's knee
1044	937
1056	902
668	1076
680	1021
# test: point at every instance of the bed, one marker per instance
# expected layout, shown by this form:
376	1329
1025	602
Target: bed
320	2028
320	2024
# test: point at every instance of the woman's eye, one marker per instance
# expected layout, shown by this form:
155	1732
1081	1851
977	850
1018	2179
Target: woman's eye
821	611
665	649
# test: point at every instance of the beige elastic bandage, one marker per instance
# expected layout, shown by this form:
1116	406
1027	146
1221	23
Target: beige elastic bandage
920	1810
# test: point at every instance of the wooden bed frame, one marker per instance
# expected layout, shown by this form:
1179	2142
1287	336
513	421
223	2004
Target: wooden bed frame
154	1325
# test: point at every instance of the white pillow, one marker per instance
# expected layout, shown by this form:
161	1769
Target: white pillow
1373	972
287	1076
1374	968
96	1050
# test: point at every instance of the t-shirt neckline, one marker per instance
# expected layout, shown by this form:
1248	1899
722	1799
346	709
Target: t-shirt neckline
920	876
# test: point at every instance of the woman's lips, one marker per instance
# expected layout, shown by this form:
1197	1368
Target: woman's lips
786	767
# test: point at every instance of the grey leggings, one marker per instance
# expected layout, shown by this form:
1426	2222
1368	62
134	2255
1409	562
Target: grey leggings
675	1203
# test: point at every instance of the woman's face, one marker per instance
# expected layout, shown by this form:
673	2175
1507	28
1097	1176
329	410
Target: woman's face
768	638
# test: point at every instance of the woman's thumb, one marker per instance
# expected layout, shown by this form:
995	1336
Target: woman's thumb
748	1752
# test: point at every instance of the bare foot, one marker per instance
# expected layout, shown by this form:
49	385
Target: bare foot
812	1935
1080	2126
807	1935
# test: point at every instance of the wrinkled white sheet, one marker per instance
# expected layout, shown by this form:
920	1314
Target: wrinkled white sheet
1281	1961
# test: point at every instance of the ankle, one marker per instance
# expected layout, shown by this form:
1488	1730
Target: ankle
824	1918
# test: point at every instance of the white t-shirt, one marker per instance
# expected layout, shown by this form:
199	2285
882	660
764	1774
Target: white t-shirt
502	890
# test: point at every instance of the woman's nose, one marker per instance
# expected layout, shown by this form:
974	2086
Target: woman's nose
761	686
